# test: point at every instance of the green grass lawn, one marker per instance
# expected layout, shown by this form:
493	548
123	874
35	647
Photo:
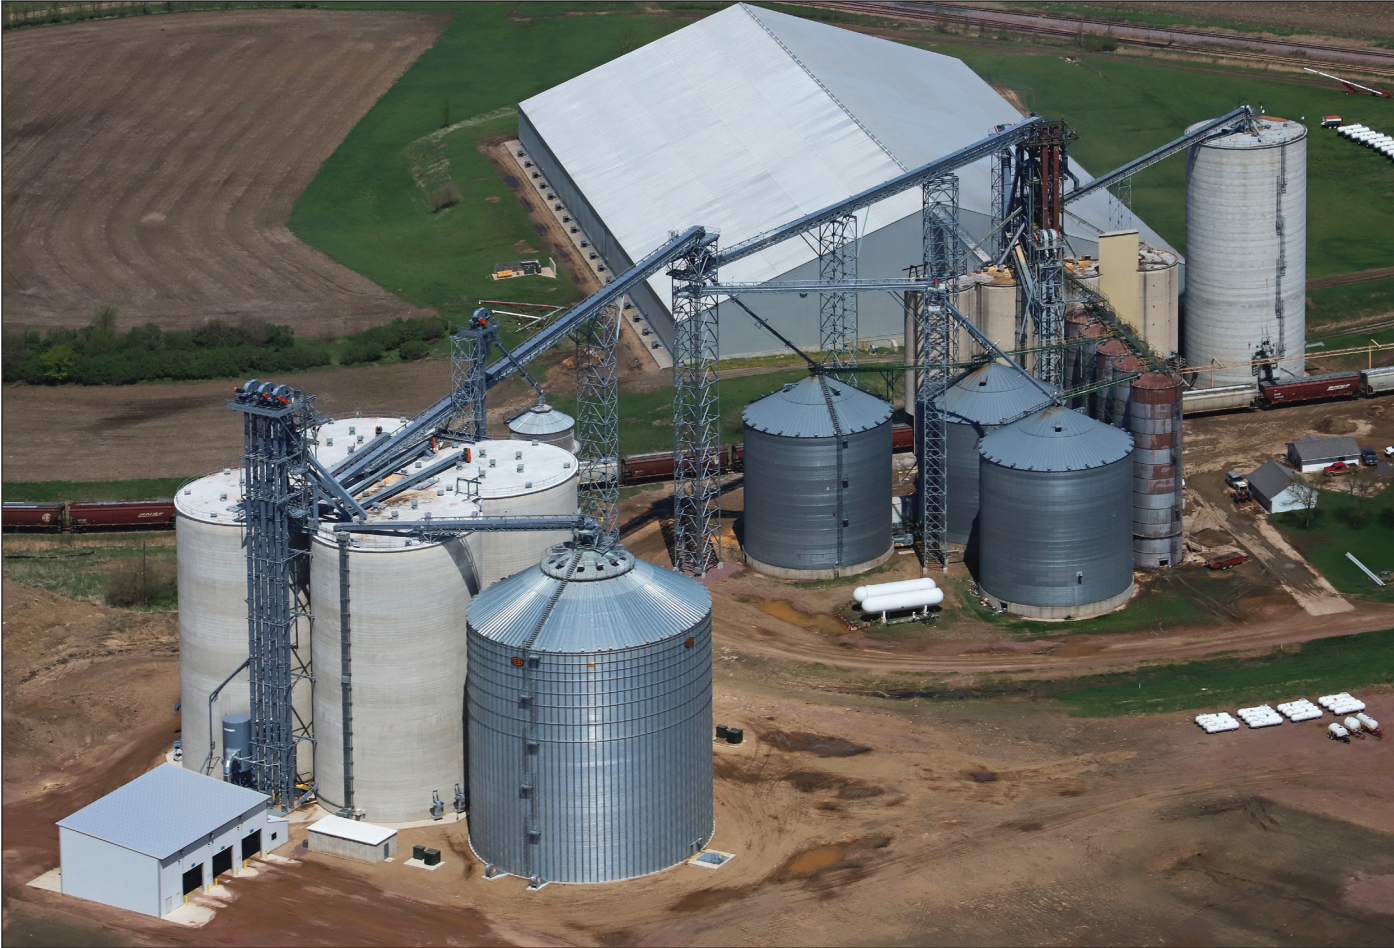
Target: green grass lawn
1344	524
160	488
366	211
1162	603
1339	304
99	572
1315	668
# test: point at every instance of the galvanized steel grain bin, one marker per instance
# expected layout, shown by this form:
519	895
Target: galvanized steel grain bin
817	503
977	404
1055	518
590	719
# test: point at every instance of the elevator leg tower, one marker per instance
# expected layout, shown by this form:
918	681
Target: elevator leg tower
837	312
696	414
278	424
598	419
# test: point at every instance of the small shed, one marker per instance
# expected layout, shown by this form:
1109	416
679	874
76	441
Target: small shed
352	838
167	834
1309	454
1272	486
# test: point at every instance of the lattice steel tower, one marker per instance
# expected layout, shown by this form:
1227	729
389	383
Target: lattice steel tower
278	429
598	419
837	312
696	414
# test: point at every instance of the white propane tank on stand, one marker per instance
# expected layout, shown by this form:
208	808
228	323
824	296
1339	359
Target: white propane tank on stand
887	589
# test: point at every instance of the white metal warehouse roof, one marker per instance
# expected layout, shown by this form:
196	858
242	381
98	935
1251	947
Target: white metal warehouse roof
369	833
163	811
749	118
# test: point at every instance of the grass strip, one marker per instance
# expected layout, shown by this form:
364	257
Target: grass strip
156	488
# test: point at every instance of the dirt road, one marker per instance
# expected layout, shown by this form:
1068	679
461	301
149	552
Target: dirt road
152	163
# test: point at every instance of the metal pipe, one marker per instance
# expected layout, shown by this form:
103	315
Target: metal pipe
213	696
775	332
346	667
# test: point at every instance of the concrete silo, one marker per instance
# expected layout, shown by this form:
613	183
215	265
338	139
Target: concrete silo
977	404
389	722
817	480
545	424
212	580
522	479
1154	418
1246	245
1055	518
590	719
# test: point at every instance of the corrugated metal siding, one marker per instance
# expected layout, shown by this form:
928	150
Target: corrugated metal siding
791	498
622	754
1038	530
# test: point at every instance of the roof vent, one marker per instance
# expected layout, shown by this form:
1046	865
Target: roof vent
520	468
352	429
187	492
491	462
1059	428
222	496
527	484
392	515
982	382
227	470
517	455
413	503
329	442
418	465
534	444
440	491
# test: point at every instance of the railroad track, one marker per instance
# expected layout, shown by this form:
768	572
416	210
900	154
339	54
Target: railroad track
1370	62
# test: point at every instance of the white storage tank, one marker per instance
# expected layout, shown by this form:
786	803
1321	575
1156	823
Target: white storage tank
212	580
1159	288
406	671
521	479
1246	251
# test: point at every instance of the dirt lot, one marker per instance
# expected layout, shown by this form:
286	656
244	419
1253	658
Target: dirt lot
854	821
152	164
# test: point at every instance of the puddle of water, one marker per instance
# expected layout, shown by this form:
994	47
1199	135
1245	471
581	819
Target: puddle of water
784	609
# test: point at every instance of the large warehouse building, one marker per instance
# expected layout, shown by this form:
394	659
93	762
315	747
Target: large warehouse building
750	118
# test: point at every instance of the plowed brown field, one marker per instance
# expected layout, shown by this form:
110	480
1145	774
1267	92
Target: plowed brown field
153	163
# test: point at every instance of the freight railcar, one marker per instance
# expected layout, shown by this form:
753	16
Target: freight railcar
89	515
1310	389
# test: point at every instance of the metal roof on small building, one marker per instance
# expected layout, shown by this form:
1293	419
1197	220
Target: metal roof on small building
1271	479
993	395
612	601
800	410
163	811
1056	439
355	830
1309	448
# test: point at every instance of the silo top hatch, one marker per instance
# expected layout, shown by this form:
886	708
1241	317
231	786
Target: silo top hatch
611	602
1057	439
799	410
993	395
1269	131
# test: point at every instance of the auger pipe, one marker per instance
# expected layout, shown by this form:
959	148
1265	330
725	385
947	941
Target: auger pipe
910	179
473	525
415	477
386	453
1225	122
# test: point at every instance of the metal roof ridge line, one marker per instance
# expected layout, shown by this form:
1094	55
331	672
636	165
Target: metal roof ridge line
750	12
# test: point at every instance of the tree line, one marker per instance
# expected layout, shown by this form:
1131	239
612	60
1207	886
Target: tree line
99	354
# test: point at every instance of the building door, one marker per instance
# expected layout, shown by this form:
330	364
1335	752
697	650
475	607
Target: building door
251	844
193	879
222	862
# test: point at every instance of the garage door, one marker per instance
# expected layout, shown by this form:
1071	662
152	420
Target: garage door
251	844
193	879
222	862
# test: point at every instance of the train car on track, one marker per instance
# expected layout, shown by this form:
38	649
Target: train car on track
1310	389
37	516
121	513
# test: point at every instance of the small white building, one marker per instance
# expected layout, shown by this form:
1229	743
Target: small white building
1309	454
352	838
1272	486
165	835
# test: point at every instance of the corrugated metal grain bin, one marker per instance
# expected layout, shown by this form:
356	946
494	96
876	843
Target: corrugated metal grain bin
978	404
544	423
1154	419
590	719
816	501
1055	521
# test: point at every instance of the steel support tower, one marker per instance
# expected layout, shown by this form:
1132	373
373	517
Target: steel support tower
469	358
696	413
837	312
278	428
1041	166
935	353
1001	200
598	419
1045	256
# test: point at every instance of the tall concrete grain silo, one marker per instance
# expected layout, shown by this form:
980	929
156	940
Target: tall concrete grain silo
1055	518
978	404
212	582
389	720
517	478
590	719
817	480
1246	251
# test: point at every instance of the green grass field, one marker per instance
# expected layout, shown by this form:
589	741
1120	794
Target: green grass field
1163	603
1312	669
1341	304
98	572
1362	526
161	488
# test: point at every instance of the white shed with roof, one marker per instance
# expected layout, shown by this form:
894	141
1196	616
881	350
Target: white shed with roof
1272	485
165	835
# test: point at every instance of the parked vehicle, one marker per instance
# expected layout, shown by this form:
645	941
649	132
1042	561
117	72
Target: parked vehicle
1227	560
1368	457
1340	467
1236	480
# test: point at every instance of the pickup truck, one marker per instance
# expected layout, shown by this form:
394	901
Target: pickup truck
1340	467
1236	480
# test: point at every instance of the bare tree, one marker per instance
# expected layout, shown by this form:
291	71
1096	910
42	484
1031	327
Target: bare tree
1307	495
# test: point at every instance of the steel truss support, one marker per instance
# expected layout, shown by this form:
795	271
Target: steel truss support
837	312
1045	304
1001	201
696	413
278	425
469	358
1120	212
598	419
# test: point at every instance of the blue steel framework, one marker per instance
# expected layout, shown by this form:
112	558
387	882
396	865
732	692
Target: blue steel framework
837	312
278	429
598	418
